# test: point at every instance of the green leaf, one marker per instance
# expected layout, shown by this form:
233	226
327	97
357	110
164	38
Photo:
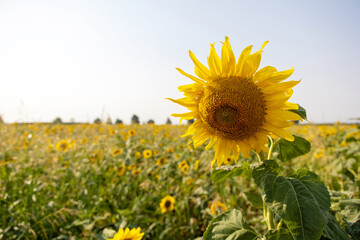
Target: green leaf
350	209
281	234
255	199
229	226
301	201
301	112
223	173
333	230
289	150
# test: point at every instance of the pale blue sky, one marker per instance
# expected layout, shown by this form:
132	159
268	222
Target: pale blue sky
88	59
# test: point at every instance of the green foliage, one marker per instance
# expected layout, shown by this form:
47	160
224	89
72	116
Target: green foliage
280	234
229	226
302	201
350	209
301	112
292	149
223	173
333	230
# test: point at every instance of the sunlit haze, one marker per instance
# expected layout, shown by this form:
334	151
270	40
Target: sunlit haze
79	60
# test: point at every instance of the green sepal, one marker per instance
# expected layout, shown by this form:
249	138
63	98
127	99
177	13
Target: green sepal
300	111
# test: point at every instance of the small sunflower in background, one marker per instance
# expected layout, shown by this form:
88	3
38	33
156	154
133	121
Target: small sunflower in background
131	132
229	160
147	153
127	234
161	161
62	146
215	205
167	204
117	151
185	168
235	105
121	170
182	163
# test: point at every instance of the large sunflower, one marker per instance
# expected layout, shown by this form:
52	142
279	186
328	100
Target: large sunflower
236	106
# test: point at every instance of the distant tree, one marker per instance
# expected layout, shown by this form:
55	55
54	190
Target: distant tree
57	120
1	119
118	121
151	121
168	121
97	121
108	121
135	119
191	121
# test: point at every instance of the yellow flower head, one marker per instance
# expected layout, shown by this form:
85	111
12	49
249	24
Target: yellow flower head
236	106
133	234
228	160
147	153
62	146
185	168
121	170
161	161
183	163
196	166
117	151
131	132
216	205
167	204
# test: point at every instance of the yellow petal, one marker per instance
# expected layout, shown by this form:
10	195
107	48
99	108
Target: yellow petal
199	81
264	73
200	70
186	102
243	56
252	63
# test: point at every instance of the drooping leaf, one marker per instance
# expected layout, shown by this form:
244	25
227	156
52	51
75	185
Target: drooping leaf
289	150
301	112
229	225
221	174
281	234
350	209
255	199
301	201
333	230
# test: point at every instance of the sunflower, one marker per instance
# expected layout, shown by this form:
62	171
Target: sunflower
215	205
133	234
236	106
147	153
121	170
161	161
117	152
167	204
62	146
185	168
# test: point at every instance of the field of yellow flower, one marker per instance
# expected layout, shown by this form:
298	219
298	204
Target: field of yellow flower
85	181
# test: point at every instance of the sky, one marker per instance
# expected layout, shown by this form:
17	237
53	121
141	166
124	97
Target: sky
79	60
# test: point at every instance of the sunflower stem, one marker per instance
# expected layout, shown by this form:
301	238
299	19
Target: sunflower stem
270	149
258	156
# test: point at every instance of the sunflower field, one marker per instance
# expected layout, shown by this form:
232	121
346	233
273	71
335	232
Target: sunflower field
85	181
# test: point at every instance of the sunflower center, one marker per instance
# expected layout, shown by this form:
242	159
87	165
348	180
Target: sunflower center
167	204
233	108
